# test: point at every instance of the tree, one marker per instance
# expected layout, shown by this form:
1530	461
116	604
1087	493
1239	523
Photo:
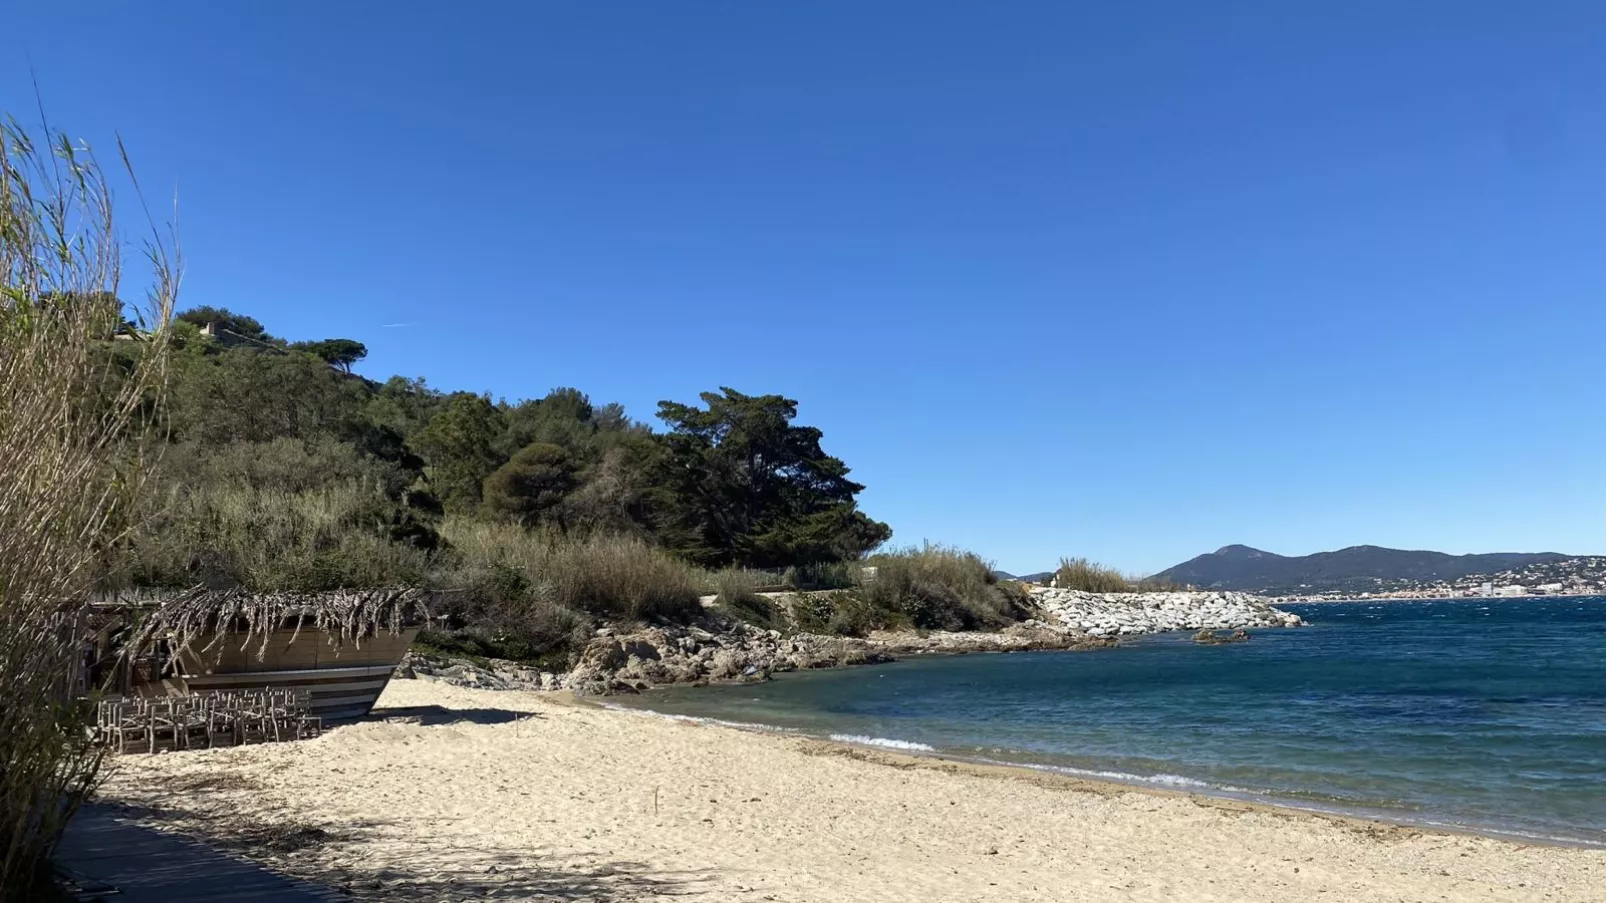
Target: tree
403	405
533	485
743	485
617	493
458	448
563	418
340	353
239	394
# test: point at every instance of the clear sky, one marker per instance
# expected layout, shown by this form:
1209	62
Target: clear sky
1125	280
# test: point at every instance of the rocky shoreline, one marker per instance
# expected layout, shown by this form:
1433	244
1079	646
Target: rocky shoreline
732	652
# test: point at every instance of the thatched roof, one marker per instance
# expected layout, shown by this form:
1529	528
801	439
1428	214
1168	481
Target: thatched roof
210	616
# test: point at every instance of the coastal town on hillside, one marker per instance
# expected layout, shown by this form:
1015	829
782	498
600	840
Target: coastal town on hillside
1581	576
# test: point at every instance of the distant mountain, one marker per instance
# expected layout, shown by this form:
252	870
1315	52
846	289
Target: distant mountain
1040	577
1355	569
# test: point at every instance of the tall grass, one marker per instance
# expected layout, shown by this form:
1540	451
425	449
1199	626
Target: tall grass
72	462
618	577
736	591
938	587
269	538
1092	577
824	575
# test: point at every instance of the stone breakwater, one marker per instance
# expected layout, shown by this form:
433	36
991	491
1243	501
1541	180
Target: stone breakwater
1126	614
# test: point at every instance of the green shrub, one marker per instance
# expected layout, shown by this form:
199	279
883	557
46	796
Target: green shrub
843	613
854	615
1017	597
938	588
812	613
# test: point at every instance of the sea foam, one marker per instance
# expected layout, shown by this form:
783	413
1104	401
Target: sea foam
882	742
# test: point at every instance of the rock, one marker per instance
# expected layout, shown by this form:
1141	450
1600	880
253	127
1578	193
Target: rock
1113	614
643	647
621	660
727	663
604	654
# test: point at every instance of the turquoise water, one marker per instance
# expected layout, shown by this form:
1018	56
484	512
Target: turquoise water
1481	714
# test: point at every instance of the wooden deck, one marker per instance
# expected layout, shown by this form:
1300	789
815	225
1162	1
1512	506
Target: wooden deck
118	860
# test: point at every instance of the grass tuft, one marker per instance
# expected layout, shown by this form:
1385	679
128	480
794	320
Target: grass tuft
1092	577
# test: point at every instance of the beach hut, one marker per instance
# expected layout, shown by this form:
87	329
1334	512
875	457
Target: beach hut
340	646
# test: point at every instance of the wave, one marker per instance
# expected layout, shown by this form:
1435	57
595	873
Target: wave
1158	780
882	743
694	719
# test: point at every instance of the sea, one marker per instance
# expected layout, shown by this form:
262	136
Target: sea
1485	715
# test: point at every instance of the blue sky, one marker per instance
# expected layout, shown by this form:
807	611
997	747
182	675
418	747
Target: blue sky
1125	280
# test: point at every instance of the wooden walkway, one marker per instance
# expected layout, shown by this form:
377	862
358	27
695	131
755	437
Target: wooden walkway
118	860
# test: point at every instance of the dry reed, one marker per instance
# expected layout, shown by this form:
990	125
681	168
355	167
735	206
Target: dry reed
1092	577
76	381
249	617
606	576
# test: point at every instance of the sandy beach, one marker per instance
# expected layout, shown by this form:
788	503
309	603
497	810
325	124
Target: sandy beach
473	794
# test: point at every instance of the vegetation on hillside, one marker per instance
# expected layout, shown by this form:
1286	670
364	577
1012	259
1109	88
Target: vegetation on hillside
282	470
285	471
534	519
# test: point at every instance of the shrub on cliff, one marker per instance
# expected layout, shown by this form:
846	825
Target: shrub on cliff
938	588
844	613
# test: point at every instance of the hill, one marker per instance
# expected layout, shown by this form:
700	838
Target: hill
1355	569
1039	577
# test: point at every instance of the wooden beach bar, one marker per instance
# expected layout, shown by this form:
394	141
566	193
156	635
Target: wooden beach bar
340	648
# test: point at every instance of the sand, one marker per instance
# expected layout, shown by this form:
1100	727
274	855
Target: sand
476	794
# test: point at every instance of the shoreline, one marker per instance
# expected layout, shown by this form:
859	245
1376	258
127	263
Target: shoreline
1323	600
910	756
462	794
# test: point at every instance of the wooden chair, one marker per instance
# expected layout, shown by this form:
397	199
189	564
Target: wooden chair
289	711
121	724
253	718
307	724
163	725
